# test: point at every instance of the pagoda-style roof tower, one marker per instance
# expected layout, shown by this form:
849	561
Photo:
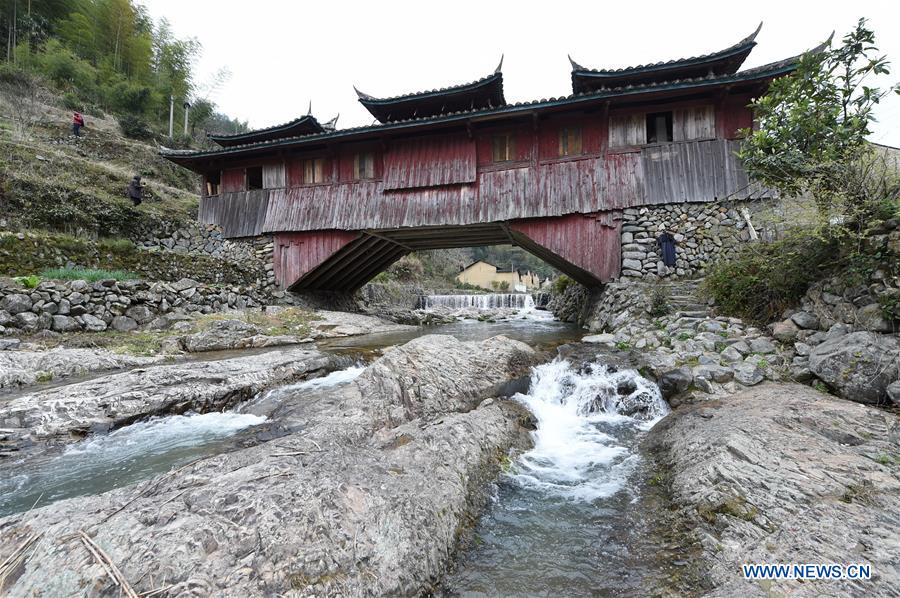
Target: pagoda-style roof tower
305	125
486	92
723	62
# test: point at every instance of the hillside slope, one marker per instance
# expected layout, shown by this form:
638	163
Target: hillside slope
57	182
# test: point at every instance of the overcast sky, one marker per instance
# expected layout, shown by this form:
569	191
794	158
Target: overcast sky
283	54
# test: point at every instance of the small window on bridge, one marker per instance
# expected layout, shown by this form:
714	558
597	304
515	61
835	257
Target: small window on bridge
313	171
570	141
213	180
364	166
659	127
504	148
254	178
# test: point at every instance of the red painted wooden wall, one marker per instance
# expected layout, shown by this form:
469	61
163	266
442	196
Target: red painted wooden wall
232	180
429	162
296	254
589	241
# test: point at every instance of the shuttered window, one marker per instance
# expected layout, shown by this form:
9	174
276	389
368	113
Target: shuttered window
364	166
570	141
313	171
504	148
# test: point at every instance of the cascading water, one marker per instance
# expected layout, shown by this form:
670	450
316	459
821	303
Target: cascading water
479	302
562	513
143	449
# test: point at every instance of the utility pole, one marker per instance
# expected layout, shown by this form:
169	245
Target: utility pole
171	116
187	107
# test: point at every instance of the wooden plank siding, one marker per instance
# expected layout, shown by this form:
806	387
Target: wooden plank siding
691	171
232	180
694	172
430	162
697	122
239	214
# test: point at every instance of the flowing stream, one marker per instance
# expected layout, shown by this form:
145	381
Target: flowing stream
143	449
563	517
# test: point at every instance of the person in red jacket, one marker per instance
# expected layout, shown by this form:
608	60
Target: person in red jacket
77	123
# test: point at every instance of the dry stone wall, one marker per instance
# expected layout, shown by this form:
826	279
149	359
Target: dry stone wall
703	232
108	304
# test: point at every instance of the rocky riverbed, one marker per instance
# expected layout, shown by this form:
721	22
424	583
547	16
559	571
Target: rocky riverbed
360	497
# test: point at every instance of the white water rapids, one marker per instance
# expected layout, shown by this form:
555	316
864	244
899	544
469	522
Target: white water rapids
561	517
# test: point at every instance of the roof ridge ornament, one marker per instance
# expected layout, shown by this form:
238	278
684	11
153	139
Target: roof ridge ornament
575	65
361	95
499	69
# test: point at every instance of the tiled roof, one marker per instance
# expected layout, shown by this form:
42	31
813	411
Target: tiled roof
766	71
744	45
497	74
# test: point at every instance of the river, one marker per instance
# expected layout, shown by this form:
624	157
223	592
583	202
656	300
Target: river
564	518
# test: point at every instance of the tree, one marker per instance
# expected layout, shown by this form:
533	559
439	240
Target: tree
811	137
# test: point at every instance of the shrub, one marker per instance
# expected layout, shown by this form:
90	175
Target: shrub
659	301
88	274
135	127
561	284
407	269
766	278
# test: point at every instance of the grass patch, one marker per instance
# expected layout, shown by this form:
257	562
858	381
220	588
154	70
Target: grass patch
88	274
736	506
290	320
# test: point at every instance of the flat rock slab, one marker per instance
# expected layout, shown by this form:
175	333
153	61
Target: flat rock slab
366	496
64	413
782	473
338	323
23	368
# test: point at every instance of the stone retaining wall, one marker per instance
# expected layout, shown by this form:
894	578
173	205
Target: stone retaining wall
82	306
254	254
704	233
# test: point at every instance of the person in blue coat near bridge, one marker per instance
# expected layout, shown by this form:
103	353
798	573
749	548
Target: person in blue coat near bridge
667	248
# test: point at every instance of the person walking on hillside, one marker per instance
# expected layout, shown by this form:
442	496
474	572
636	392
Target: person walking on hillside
77	123
136	190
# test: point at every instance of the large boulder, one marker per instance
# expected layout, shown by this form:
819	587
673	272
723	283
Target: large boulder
858	365
781	473
674	381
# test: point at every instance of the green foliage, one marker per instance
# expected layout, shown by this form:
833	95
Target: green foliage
508	256
812	133
561	284
766	278
29	282
135	127
88	274
108	55
500	285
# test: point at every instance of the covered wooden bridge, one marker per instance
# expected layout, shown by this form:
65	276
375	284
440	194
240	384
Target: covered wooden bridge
460	167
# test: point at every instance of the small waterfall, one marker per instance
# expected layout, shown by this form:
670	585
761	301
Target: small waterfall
575	453
564	515
480	302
